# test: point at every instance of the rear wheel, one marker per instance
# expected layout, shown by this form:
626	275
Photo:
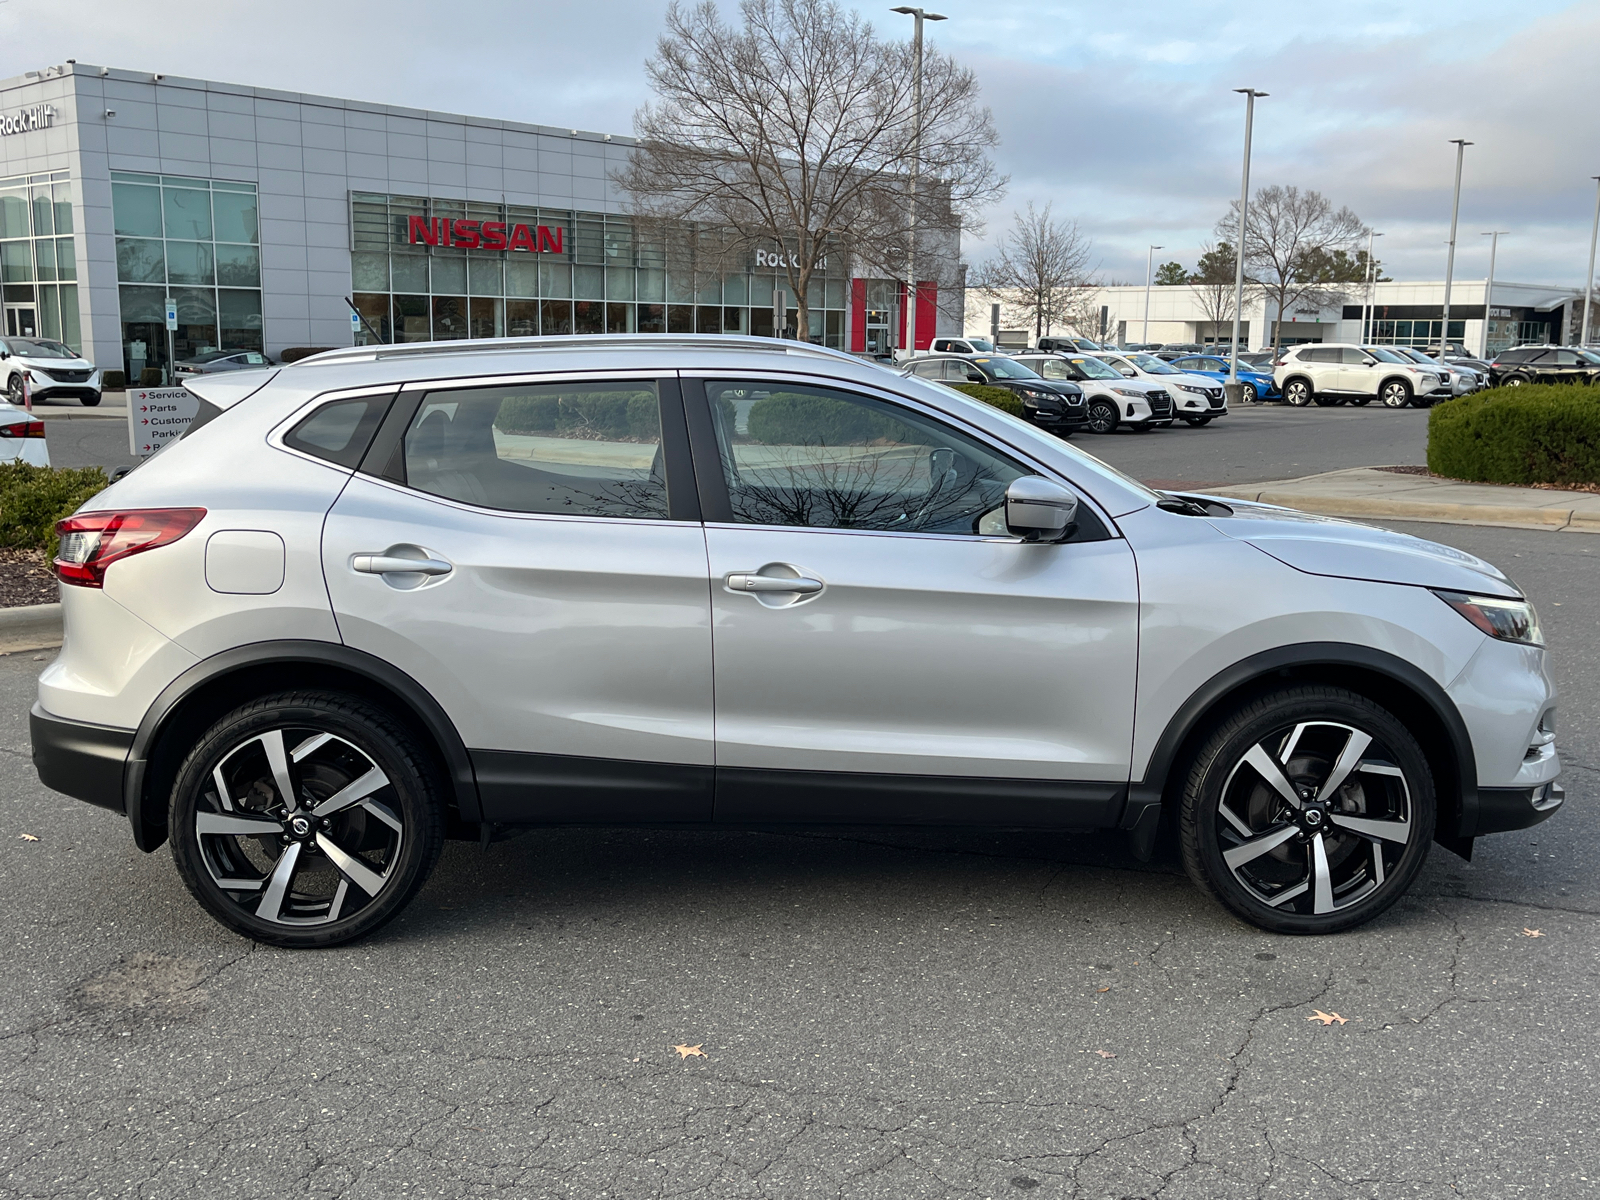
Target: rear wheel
1513	381
1326	401
1310	810
305	819
14	389
1103	416
1197	422
1396	393
1297	392
1247	393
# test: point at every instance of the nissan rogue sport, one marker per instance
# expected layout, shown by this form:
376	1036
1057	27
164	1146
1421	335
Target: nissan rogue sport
397	593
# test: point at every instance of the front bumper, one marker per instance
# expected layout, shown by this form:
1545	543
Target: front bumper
1068	417
42	384
83	761
1503	810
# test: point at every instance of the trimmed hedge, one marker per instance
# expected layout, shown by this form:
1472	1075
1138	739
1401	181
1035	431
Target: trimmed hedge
33	499
114	381
802	419
996	397
151	377
609	415
1538	433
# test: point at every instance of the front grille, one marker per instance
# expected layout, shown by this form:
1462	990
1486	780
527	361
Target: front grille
1160	405
70	376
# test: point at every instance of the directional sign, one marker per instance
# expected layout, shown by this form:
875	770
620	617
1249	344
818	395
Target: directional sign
157	416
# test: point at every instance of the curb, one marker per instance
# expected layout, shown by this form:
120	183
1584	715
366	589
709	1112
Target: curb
30	627
1553	520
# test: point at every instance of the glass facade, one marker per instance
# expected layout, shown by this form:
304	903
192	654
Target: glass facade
197	241
1420	334
589	273
38	264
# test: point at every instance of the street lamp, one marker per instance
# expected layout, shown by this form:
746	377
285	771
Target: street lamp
1588	284
1450	261
1234	391
1369	307
1149	264
916	163
1488	287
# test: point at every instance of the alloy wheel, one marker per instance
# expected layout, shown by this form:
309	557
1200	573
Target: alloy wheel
1395	395
1314	818
300	827
1102	416
14	390
1248	395
1298	393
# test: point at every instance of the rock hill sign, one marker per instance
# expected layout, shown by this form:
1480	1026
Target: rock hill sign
40	116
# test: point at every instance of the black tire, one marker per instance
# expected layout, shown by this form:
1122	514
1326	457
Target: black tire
1513	381
1361	401
1326	401
1144	427
1197	422
91	401
1324	873
1298	392
1103	416
371	854
1247	394
14	389
1395	393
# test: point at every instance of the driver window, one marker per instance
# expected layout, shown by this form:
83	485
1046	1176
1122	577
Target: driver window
1054	368
813	457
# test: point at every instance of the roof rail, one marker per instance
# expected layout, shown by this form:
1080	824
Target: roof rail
602	341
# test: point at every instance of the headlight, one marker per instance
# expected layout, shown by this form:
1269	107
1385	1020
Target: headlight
1507	620
1134	392
1189	387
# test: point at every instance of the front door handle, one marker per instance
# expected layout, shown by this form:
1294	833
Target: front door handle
387	564
749	581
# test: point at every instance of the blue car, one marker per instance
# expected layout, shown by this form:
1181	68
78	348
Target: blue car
1258	385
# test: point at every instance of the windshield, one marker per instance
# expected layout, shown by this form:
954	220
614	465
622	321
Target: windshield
1382	355
981	346
1005	368
1590	355
1093	368
1151	365
212	356
39	348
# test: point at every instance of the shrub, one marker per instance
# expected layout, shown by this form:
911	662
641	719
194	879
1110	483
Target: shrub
609	415
296	353
1546	433
33	499
151	377
802	418
114	381
996	397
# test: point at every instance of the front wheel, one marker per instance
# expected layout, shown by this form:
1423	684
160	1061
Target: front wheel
1197	422
1297	392
14	390
1395	394
1103	416
1248	393
305	819
1310	810
91	401
1361	401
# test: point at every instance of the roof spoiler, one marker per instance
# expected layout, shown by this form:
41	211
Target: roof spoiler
224	389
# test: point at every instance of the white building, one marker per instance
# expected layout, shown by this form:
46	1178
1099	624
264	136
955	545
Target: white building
1408	314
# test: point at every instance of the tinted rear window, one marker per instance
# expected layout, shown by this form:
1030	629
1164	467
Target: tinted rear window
340	432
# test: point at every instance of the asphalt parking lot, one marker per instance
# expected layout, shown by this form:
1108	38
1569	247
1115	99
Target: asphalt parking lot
880	1013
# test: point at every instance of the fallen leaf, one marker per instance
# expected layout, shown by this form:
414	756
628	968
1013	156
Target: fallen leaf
690	1052
1104	989
1105	1054
1526	932
30	837
1327	1018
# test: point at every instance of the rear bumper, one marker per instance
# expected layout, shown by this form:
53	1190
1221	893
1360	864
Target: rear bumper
81	760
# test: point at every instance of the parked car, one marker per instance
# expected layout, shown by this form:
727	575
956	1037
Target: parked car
1257	384
1543	364
1112	400
1168	351
1137	348
1067	345
1331	374
385	596
1051	404
22	437
213	361
1463	379
1197	399
49	369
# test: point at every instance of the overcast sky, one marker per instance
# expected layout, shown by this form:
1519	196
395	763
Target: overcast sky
1121	116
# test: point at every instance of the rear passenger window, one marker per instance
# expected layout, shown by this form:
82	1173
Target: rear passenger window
568	449
339	432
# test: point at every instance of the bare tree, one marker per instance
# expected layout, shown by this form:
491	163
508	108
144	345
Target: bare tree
1039	266
794	131
1213	285
1288	236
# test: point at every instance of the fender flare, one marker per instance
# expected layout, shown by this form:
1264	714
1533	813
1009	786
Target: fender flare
149	833
1148	792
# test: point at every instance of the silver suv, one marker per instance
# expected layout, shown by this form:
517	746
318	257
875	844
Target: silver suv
1332	374
395	594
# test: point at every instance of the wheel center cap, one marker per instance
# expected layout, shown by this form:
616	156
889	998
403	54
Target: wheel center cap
1313	817
300	826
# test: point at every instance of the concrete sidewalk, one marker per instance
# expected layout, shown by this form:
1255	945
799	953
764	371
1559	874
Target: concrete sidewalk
1370	492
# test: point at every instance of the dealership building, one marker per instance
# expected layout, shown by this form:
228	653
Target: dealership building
263	216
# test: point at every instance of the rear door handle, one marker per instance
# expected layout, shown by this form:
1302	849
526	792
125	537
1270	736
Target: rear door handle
385	564
749	581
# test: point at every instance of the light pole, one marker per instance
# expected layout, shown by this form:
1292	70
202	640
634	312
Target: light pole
1461	145
916	164
1488	288
1149	264
1233	390
1588	284
1369	306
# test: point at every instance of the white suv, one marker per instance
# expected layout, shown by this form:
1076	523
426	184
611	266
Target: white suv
1330	374
1198	399
1112	400
397	593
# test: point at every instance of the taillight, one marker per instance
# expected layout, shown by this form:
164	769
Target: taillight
22	429
91	542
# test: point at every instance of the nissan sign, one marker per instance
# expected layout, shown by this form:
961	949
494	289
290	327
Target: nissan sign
483	235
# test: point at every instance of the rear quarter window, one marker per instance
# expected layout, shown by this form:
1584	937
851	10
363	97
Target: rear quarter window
340	431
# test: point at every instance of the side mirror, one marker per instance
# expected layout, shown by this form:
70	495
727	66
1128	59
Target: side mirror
1126	372
1369	362
1039	509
